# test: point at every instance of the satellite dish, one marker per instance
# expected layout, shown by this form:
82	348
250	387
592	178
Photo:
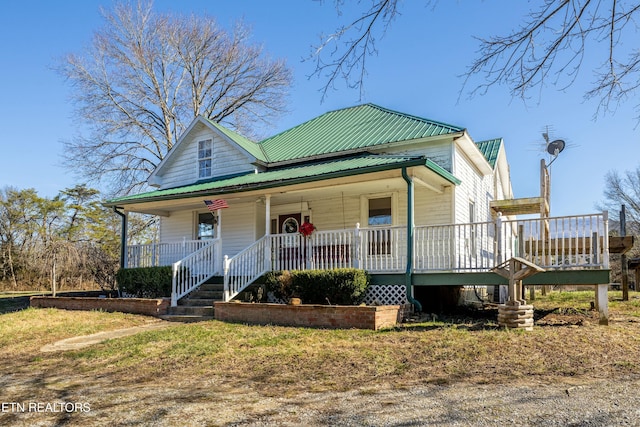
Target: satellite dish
555	147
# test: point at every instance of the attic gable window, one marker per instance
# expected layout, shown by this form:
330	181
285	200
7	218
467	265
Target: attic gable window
205	154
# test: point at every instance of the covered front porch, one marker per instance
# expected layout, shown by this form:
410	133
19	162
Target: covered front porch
571	249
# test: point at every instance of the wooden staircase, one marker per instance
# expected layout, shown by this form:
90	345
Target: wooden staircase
198	305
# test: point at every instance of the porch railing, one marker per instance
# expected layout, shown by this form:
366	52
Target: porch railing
383	249
158	254
195	269
245	267
455	247
559	243
323	250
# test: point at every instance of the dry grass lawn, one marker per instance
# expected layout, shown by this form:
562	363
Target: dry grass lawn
139	379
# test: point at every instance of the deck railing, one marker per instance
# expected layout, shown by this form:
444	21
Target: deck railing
159	254
569	242
558	243
193	270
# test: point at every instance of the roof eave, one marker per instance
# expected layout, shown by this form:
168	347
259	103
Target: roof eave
281	183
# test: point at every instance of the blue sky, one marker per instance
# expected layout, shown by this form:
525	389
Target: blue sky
417	71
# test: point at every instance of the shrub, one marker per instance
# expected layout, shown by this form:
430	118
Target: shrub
342	286
145	282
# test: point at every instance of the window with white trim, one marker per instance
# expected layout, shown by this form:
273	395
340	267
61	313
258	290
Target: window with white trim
380	215
380	211
205	158
206	228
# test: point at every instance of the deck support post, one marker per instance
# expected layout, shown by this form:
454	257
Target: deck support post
602	303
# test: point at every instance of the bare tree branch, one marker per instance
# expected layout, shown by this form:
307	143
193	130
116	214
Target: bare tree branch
146	76
358	41
550	47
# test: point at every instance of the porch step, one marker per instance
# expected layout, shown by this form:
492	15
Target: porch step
208	291
199	302
191	310
189	313
198	305
200	294
185	318
214	280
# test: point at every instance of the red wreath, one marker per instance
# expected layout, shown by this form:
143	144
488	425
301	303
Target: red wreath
307	229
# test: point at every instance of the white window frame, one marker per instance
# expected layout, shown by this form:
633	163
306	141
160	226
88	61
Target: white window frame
364	208
196	222
203	158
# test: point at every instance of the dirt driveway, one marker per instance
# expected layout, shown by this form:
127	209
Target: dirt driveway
600	403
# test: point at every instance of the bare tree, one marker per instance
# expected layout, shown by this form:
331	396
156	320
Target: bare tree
343	53
553	43
623	189
548	48
146	76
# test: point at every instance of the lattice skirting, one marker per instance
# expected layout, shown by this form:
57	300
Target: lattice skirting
386	295
376	295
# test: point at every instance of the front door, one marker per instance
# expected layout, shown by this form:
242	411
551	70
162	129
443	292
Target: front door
290	251
289	223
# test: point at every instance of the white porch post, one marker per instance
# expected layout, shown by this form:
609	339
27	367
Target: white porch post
219	265
356	252
267	214
267	230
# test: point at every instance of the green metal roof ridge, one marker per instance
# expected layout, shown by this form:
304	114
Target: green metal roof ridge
490	149
350	129
250	146
454	128
278	177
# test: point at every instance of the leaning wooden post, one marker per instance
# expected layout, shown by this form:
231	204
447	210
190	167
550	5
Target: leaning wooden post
623	258
602	299
498	242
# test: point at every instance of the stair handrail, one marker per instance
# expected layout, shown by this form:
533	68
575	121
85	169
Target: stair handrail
246	266
194	269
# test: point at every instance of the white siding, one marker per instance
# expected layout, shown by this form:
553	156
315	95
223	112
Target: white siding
339	213
177	227
183	168
438	152
238	227
429	208
336	213
474	188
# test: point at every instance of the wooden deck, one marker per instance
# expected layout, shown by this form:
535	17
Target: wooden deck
440	254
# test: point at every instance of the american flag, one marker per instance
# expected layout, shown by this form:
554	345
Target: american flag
214	205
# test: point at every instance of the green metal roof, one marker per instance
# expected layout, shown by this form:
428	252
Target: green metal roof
251	147
490	150
288	176
350	129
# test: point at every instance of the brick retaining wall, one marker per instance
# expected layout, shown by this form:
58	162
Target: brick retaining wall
149	307
321	316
